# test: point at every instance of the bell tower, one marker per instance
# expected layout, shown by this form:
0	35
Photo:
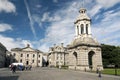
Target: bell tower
84	50
82	24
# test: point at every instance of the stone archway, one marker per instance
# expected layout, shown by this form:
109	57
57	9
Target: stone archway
75	57
91	59
27	62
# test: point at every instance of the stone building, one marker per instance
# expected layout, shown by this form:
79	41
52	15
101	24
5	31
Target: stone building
57	55
27	56
84	51
2	55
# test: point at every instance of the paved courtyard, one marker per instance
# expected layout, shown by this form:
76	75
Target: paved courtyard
52	74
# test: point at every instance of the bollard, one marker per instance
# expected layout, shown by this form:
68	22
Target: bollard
99	74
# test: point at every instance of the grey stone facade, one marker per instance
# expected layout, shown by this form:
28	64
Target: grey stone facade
27	56
57	55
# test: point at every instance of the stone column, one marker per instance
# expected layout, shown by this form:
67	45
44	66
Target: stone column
89	29
79	29
55	59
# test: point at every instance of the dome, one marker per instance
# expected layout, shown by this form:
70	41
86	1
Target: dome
84	41
82	15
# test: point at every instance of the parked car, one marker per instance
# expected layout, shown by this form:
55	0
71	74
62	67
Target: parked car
19	66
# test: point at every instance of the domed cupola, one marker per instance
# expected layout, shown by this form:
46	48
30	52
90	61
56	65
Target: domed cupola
82	24
82	15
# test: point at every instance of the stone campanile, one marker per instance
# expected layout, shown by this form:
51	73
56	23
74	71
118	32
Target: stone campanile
82	24
84	51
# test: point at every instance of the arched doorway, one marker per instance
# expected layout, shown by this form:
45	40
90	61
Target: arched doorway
91	59
75	58
27	62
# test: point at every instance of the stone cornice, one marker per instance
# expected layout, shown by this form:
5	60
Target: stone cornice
82	20
89	45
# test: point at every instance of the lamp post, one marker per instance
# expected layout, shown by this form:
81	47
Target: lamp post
50	62
59	65
116	66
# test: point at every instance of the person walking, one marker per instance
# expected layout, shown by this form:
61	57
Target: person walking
14	69
99	73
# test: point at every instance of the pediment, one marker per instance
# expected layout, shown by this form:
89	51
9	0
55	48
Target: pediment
28	49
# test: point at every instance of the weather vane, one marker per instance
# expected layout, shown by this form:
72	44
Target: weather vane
83	2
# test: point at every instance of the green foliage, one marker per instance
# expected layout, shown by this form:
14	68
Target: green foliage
64	67
110	55
111	71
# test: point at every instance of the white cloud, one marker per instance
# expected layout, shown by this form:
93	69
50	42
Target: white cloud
7	6
38	6
95	10
25	42
46	17
37	19
107	32
110	15
43	48
62	30
55	1
96	7
107	4
10	43
5	27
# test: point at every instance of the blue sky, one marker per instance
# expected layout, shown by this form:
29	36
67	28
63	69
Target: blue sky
42	23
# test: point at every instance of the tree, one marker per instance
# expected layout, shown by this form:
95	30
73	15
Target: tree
110	55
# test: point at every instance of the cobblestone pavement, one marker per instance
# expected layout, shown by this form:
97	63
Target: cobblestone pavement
52	74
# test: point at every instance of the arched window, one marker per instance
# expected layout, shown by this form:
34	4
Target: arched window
33	55
82	28
32	61
21	60
86	28
21	55
27	55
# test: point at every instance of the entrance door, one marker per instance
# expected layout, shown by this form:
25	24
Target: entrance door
27	62
75	58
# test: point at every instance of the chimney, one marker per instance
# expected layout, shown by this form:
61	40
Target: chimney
28	45
54	45
62	44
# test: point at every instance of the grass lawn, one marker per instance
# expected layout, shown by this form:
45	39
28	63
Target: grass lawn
111	71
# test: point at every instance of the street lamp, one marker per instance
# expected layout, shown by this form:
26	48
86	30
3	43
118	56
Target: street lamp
116	66
59	65
49	62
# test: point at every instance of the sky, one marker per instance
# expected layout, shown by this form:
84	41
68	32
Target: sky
42	23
